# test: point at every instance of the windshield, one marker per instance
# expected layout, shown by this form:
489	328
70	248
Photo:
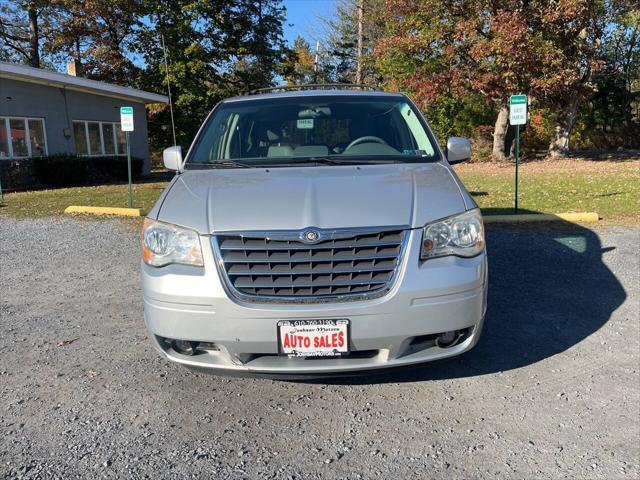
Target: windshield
322	129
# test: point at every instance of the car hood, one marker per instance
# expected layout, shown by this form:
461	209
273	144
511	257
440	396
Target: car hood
326	197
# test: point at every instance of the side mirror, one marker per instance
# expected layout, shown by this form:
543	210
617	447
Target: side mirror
172	158
458	150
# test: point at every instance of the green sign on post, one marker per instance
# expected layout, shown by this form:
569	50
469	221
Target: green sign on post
126	124
518	109
517	117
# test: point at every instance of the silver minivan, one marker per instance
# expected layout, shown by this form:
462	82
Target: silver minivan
314	230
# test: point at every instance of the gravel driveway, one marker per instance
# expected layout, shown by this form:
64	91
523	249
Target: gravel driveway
552	390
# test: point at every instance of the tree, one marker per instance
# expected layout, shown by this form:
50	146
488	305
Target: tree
575	29
298	64
23	26
99	35
216	49
261	47
341	40
446	50
608	116
621	51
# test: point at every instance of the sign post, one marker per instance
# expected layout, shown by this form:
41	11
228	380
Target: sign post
517	117
126	124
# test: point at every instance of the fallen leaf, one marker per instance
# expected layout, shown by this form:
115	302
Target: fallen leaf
64	343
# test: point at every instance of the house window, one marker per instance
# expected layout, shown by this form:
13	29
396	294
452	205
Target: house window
98	138
108	139
4	140
121	141
95	144
18	132
22	137
80	136
35	127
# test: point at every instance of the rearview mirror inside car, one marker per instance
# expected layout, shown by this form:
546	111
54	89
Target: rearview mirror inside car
172	158
458	149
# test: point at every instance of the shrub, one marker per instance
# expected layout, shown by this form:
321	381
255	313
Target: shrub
482	143
61	170
115	168
65	170
16	173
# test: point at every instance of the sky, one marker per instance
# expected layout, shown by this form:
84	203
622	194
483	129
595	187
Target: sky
303	18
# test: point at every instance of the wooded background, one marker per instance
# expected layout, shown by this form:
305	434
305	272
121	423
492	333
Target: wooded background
577	60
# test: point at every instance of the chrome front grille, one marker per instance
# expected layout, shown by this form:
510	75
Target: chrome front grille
281	267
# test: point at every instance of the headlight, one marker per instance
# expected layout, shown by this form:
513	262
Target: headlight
461	235
163	244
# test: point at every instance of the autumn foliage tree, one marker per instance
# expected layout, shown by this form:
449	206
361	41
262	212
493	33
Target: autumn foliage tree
505	58
575	29
298	64
447	52
98	35
447	49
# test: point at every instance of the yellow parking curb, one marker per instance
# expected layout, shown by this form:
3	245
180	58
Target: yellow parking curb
125	212
543	217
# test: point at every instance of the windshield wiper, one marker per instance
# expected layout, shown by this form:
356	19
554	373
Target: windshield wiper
224	164
232	164
350	161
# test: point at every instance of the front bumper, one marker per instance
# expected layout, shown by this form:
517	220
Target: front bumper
428	298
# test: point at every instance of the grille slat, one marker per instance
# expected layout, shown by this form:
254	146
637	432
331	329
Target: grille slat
244	283
298	257
263	269
361	263
279	245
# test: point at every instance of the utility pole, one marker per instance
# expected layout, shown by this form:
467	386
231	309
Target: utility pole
360	41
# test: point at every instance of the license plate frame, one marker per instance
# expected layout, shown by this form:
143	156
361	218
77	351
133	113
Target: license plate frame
332	325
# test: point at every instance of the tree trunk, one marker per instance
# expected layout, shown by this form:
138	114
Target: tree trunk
500	134
360	7
34	37
566	119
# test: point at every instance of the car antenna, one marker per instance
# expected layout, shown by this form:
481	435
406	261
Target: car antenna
166	69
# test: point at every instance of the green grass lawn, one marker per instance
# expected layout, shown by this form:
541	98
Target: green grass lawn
44	203
610	188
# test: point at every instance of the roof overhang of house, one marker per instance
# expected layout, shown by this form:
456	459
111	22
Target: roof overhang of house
54	79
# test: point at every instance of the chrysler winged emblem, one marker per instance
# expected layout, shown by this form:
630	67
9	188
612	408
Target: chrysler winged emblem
310	236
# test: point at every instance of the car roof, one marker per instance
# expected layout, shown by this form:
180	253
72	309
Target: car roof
314	93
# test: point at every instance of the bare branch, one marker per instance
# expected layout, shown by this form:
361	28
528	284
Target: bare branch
18	49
